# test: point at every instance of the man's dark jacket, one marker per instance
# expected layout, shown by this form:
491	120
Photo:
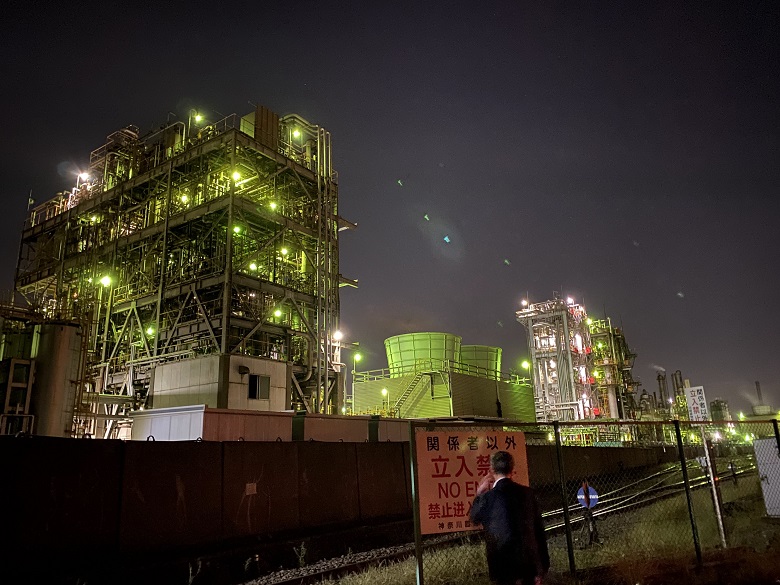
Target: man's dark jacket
514	532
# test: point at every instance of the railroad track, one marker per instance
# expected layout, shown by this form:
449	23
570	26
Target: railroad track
355	562
645	491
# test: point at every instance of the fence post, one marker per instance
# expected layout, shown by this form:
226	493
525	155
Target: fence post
777	435
564	499
712	470
418	552
684	467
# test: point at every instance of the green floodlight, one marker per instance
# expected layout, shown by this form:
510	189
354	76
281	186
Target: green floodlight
278	313
253	266
525	365
105	281
236	229
150	330
589	321
198	118
285	251
273	205
357	357
184	199
236	176
296	133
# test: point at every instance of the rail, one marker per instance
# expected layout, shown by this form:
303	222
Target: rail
437	365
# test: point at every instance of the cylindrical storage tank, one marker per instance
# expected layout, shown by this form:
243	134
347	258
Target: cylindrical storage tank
485	358
56	376
415	351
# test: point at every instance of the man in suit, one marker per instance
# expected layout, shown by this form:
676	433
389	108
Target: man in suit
514	533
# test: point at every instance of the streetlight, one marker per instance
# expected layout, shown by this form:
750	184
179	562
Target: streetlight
384	395
356	357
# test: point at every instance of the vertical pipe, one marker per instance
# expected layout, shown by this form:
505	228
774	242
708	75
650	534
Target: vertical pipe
684	468
564	351
777	435
163	262
227	290
562	483
320	278
418	552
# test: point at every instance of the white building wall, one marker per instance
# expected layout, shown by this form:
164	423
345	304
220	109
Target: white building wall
186	382
239	384
183	423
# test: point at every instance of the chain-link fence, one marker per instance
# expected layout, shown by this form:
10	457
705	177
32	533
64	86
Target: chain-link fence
626	499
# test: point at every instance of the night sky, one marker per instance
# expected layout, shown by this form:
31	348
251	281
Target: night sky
624	154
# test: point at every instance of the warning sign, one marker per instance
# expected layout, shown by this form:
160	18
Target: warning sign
697	403
450	466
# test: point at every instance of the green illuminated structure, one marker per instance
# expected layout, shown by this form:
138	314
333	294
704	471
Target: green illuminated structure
199	259
432	375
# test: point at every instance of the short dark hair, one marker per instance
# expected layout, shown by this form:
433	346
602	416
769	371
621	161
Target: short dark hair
502	462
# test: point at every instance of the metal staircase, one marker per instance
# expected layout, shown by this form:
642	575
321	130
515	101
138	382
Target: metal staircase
407	392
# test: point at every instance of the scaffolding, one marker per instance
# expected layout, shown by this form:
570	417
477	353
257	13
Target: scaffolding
194	239
559	347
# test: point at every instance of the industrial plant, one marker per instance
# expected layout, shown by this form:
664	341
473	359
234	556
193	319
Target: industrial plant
195	264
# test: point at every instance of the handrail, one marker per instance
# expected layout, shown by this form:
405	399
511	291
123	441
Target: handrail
435	365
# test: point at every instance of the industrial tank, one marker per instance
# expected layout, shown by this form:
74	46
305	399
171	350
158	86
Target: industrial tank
485	357
53	397
406	353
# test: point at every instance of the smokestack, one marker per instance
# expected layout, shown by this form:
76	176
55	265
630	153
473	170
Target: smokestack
662	386
758	391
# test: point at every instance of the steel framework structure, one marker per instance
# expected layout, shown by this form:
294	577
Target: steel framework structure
611	370
559	347
193	240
